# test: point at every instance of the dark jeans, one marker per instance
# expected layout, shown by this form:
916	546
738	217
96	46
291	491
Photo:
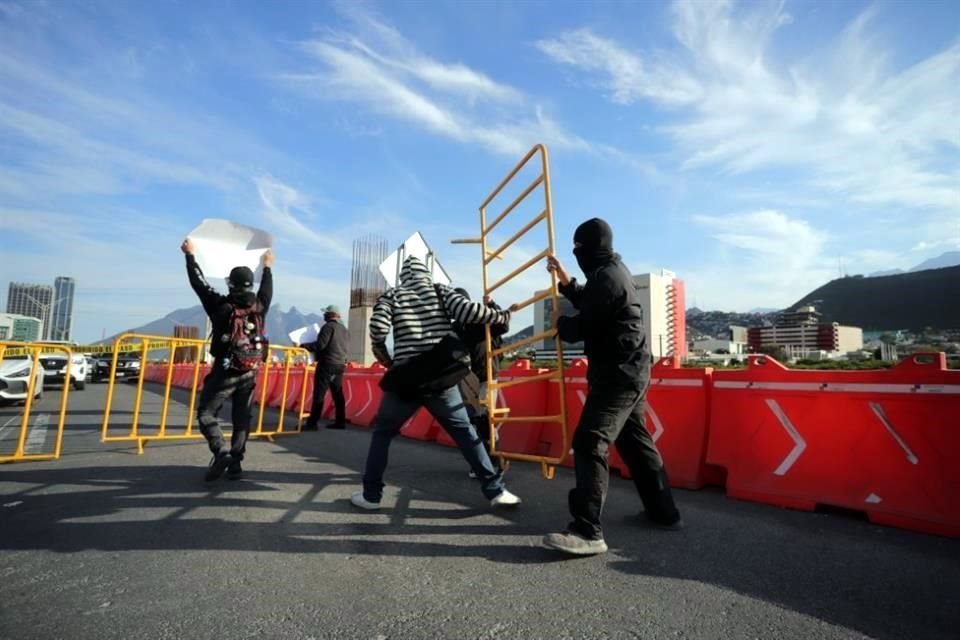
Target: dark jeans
219	386
328	378
447	407
616	415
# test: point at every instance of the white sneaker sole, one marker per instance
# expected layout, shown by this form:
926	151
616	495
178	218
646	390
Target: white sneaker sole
359	502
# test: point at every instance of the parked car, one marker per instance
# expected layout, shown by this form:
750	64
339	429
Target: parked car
128	367
15	379
55	369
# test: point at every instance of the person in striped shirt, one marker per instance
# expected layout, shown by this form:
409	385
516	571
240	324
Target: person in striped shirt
420	315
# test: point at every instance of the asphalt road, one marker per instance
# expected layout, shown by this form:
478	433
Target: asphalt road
104	543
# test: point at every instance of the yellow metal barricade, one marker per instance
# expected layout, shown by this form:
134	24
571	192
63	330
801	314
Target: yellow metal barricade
33	352
500	415
146	344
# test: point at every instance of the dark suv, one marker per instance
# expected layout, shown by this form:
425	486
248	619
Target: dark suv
128	366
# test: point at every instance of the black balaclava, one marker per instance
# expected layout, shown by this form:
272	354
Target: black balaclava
240	283
596	245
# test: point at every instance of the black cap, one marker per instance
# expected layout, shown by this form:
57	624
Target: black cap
240	278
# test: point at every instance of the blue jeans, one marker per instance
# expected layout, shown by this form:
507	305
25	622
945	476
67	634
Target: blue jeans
448	409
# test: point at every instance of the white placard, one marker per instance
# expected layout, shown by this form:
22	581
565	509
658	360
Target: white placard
306	334
415	246
221	245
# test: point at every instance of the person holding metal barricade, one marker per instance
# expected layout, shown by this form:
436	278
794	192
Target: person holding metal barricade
473	387
238	347
610	323
330	351
428	362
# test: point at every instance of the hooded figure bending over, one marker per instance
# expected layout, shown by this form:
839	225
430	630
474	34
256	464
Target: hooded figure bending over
610	324
421	314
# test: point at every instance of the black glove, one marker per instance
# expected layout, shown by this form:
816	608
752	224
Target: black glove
381	353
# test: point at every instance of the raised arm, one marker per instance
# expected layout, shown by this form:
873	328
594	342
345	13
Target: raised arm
464	311
207	294
265	293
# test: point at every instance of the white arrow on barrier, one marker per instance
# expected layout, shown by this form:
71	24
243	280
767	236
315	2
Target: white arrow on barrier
657	425
349	394
882	415
369	399
799	443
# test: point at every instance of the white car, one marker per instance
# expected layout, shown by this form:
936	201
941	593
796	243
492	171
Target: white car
55	368
15	379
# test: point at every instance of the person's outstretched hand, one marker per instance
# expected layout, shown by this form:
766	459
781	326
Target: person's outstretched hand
187	246
554	266
268	258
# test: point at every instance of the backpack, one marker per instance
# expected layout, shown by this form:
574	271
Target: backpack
247	344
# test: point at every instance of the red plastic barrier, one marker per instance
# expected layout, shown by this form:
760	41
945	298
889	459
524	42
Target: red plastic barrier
363	394
528	399
422	426
883	442
677	412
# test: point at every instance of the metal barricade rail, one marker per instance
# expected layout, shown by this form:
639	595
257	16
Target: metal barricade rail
148	343
34	351
500	415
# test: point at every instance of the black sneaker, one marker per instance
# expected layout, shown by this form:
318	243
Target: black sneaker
234	470
336	425
218	464
676	525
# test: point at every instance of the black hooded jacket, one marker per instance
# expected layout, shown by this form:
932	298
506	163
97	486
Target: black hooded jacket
331	349
610	322
219	307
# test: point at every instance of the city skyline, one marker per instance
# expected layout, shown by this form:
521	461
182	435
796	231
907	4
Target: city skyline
52	305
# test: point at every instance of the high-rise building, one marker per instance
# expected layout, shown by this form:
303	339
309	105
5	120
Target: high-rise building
662	297
33	301
20	328
61	324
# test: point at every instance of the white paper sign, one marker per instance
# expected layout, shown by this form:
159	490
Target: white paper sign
304	335
221	245
415	246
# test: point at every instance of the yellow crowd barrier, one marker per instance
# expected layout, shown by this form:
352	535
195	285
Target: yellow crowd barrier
33	351
86	349
500	415
292	359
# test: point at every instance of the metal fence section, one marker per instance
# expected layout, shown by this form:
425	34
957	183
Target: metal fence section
189	378
13	380
500	415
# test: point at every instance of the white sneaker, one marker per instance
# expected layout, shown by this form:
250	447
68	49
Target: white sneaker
574	544
358	500
505	499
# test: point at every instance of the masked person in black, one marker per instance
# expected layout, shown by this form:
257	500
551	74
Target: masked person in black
330	351
610	323
473	387
238	347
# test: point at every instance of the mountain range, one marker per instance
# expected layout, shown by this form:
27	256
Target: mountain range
948	259
926	296
279	323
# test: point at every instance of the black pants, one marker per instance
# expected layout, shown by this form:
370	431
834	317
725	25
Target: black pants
219	386
616	415
328	378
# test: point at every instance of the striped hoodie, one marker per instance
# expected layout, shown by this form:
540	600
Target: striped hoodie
419	317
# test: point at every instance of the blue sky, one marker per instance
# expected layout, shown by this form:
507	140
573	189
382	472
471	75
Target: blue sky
750	147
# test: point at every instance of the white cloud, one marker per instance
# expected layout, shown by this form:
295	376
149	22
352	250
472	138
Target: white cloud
759	258
845	117
384	72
